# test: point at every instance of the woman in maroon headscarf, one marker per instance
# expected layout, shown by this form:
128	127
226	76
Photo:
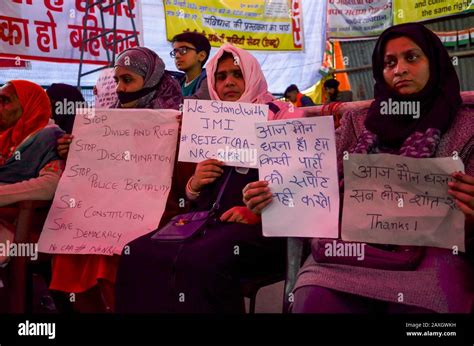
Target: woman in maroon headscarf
409	64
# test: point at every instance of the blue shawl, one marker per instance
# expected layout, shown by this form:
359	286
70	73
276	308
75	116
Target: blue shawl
31	156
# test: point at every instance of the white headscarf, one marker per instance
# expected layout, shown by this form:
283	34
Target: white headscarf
256	89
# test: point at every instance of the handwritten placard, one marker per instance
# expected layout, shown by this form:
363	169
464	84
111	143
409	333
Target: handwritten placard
391	199
116	182
298	159
220	130
106	96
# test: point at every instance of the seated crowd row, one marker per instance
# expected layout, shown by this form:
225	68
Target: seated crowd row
409	63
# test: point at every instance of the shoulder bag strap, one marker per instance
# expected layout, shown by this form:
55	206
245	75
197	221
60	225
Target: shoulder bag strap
215	206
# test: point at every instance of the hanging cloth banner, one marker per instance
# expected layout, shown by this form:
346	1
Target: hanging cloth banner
53	30
406	11
367	18
249	24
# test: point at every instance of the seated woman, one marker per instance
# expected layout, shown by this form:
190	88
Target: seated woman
141	83
61	95
203	274
30	167
409	64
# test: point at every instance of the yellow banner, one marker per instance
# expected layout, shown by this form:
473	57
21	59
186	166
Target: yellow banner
406	11
249	24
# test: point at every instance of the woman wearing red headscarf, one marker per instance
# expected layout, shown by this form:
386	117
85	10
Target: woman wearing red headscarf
30	167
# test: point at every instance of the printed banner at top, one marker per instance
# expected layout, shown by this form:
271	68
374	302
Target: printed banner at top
356	19
53	30
249	24
406	11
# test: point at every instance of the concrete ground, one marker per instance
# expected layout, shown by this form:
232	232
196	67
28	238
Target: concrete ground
269	299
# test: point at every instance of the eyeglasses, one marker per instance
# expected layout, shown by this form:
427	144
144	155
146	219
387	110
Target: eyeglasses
181	50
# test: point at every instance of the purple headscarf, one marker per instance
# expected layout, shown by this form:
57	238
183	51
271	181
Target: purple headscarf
165	91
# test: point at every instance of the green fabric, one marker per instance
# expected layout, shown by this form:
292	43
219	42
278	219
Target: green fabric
188	90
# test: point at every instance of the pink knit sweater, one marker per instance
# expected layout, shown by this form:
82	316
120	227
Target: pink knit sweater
443	282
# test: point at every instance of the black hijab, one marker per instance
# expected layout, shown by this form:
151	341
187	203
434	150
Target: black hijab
59	92
439	100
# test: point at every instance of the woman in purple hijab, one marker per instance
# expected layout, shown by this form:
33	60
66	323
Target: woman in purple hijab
142	82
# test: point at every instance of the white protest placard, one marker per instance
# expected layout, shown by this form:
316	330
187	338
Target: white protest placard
116	181
298	159
220	130
105	86
391	199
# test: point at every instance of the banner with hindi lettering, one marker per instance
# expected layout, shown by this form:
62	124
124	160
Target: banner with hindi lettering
52	30
249	24
392	199
366	18
407	11
116	181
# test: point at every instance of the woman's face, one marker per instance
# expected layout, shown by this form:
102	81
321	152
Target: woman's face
10	107
406	67
230	83
128	81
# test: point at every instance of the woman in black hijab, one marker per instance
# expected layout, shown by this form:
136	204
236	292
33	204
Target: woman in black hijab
439	98
409	64
62	96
